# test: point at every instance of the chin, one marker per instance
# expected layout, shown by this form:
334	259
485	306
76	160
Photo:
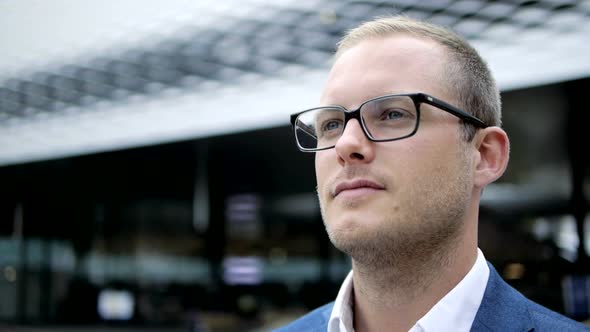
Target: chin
346	231
359	245
344	241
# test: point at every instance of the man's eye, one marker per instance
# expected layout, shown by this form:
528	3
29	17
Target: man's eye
394	114
331	125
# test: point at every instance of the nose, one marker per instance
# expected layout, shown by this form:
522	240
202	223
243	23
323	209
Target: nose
354	146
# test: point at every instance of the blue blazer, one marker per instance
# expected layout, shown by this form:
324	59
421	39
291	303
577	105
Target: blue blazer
502	309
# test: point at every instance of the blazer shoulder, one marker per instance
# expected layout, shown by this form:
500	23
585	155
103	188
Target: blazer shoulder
552	321
314	321
503	308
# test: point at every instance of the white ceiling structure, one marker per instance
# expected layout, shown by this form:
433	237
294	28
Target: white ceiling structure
526	43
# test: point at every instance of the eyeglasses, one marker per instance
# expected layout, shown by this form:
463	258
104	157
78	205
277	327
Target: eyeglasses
383	119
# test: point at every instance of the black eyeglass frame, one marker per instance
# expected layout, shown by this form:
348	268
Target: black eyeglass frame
417	98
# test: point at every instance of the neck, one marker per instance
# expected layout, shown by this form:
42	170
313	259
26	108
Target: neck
396	296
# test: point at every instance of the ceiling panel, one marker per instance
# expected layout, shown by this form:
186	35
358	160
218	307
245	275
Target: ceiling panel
83	77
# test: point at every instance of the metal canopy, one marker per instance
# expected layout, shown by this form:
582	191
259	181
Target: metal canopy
78	77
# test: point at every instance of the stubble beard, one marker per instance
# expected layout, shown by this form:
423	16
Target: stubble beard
416	239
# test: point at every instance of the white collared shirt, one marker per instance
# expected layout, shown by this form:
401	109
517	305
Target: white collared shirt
454	312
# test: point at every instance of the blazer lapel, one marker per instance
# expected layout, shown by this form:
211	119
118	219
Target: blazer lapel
502	308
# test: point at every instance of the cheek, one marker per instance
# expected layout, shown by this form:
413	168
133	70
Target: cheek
322	167
433	149
421	163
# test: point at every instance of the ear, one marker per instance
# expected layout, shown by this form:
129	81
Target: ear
493	149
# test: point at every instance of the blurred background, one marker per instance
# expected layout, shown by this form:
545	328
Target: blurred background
149	179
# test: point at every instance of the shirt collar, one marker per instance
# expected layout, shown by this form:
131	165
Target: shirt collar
341	319
454	312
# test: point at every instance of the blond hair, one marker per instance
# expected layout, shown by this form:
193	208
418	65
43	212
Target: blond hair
469	77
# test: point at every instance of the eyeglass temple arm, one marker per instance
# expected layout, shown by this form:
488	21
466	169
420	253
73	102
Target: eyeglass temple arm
455	111
294	118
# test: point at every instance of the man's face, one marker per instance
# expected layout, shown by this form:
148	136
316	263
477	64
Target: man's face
389	199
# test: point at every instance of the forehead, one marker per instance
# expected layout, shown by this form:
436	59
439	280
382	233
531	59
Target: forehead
386	65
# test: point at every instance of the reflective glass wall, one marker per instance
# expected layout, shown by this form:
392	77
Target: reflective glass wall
225	234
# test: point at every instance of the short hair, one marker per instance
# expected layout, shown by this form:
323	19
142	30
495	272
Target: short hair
470	79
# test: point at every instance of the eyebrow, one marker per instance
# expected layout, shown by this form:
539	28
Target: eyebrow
365	99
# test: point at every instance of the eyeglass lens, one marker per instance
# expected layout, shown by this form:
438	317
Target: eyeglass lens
383	119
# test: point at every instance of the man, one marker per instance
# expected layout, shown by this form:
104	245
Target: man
401	163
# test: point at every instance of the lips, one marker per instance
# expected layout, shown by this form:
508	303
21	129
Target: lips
356	184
